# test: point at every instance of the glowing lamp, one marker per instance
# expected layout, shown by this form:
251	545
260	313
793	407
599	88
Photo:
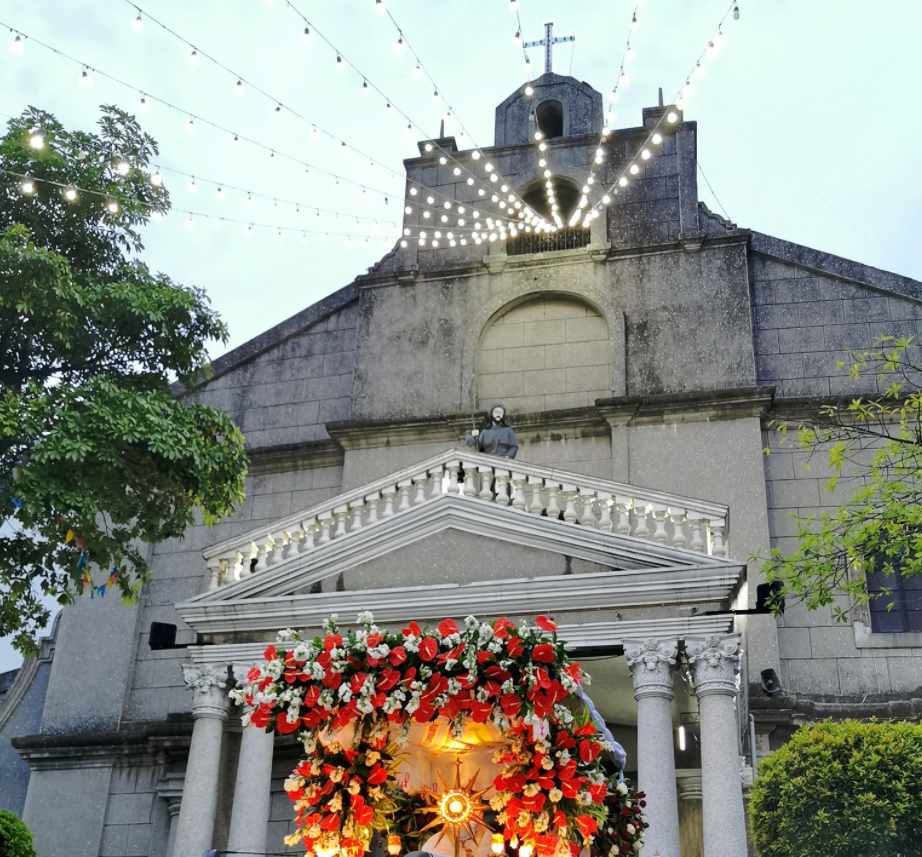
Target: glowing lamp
393	841
497	844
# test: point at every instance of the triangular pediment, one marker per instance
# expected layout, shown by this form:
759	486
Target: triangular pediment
468	528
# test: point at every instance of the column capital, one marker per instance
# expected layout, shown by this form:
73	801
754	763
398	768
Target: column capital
651	663
715	663
209	690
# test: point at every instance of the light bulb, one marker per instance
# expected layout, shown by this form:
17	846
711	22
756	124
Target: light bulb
624	80
606	199
470	180
235	143
682	738
513	6
380	8
191	186
688	89
409	129
364	87
156	216
634	169
190	223
315	134
190	126
700	71
629	54
527	65
192	59
278	236
156	179
672	116
645	154
388	110
112	207
443	160
711	51
736	13
340	65
418	72
457	171
436	98
517	39
272	159
37	141
248	202
142	106
298	214
657	138
622	181
16	45
218	223
275	207
85	80
137	24
220	193
28	186
238	88
248	232
529	91
399	46
403	242
302	238
122	168
306	36
539	135
720	39
635	24
276	111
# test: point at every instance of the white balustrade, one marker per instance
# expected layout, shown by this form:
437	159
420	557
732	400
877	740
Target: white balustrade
538	491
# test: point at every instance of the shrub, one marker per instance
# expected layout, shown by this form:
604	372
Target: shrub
841	789
15	837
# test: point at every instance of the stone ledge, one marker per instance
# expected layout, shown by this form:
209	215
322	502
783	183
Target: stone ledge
865	638
295	456
793	709
731	403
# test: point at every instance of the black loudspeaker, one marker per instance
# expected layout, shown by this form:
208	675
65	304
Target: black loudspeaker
162	636
770	683
769	595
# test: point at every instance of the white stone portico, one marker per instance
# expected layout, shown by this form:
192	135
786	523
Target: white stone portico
620	568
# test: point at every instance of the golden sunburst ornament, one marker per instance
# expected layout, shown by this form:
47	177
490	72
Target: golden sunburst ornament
457	808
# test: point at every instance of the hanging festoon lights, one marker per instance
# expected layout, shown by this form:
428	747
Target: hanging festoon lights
669	116
16	46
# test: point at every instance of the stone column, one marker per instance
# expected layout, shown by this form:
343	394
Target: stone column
170	789
200	790
652	663
250	814
715	663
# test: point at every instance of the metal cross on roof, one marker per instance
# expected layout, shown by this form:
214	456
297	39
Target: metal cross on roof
548	42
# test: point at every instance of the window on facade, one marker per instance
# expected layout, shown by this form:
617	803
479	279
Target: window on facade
897	603
549	116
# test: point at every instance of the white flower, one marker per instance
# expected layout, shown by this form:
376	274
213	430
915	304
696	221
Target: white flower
532	789
555	795
365	617
622	789
630	828
564	756
372	756
471	622
288	634
354	787
585	798
336	774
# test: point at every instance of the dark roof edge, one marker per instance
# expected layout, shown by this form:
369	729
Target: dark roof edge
274	336
836	266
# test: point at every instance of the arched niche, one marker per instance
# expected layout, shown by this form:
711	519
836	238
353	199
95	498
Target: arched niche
549	118
543	352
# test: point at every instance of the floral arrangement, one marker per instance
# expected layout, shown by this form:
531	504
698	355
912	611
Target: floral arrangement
622	832
551	792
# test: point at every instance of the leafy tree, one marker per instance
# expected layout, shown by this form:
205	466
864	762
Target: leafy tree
876	445
845	789
97	457
15	837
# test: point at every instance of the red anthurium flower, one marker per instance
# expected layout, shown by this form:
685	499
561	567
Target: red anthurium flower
511	704
588	750
389	678
570	788
542	678
492	688
424	713
560	820
352	847
397	716
356	682
378	775
409	675
291	676
546	781
498	673
331	641
373	640
546	844
585	729
284	727
331	822
397	656
374	662
333	679
564	742
514	647
350	755
484	656
312	719
448	627
568	771
575	850
480	711
587	825
428	649
543	654
412	630
542	705
260	717
535	803
265	682
270	654
500	626
555	690
360	811
254	674
574	672
598	792
311	696
546	624
324	659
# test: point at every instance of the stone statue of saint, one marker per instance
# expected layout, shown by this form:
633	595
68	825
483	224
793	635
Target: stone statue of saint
496	437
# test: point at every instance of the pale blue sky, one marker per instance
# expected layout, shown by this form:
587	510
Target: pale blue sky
808	121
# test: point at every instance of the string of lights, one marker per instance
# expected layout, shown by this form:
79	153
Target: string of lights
655	137
299	206
342	60
278	107
518	40
236	139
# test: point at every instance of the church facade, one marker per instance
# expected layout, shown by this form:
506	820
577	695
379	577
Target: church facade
639	359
